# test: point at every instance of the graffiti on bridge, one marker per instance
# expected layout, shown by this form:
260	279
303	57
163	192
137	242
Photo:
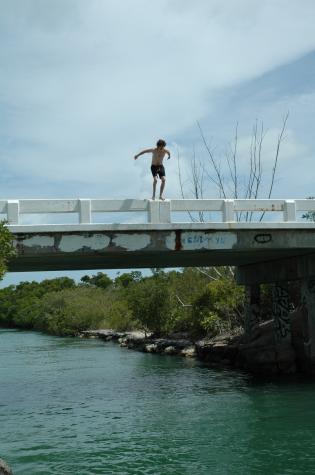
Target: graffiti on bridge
281	313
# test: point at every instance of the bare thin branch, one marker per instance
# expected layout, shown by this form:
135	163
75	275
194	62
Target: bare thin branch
181	184
279	141
213	162
182	303
202	271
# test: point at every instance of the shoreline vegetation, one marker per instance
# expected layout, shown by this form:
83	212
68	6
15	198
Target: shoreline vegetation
193	312
192	301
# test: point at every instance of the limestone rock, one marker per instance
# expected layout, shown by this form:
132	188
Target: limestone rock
189	352
4	468
151	348
170	350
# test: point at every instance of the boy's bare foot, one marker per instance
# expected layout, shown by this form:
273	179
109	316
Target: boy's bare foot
153	198
161	198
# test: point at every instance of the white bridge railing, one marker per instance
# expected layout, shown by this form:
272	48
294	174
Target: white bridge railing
157	211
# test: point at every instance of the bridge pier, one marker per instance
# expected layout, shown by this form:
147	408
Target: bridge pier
281	314
252	308
267	347
308	308
307	327
285	354
292	334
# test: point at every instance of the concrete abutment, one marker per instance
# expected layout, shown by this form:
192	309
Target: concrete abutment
287	341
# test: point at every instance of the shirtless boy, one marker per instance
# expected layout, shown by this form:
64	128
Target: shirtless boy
157	167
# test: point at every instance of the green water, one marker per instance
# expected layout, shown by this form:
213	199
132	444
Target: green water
71	406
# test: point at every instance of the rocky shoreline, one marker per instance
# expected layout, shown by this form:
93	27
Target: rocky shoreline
4	468
136	340
221	350
258	354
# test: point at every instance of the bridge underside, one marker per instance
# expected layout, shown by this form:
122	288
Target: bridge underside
139	260
115	249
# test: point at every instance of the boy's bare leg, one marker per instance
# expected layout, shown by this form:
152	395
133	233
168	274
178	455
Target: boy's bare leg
162	188
154	187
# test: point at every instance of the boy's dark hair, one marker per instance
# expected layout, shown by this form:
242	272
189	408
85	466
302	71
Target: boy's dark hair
161	143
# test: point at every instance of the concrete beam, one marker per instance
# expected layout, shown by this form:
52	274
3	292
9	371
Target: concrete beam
280	269
121	246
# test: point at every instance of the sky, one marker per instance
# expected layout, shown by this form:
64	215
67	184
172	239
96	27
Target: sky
84	85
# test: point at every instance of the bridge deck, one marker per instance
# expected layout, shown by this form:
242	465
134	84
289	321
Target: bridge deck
160	242
121	246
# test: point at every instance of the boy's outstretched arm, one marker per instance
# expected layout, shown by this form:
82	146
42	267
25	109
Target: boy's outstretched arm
147	150
168	153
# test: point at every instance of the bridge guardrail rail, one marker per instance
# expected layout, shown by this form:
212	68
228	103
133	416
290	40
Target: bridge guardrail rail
158	212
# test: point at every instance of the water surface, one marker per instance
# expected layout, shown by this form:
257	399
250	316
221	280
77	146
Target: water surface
71	406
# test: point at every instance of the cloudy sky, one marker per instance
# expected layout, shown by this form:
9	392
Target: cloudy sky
84	85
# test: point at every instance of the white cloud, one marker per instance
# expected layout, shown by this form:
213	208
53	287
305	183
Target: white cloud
294	175
87	84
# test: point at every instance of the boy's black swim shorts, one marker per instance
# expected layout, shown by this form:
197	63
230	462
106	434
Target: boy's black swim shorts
158	170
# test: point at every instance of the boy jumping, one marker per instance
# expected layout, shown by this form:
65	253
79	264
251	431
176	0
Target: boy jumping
157	167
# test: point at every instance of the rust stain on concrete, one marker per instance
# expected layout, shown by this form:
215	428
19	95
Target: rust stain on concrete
178	243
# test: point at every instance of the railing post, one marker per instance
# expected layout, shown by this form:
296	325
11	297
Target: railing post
153	211
228	211
289	210
165	211
13	211
84	211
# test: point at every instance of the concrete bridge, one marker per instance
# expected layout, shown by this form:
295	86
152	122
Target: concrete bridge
177	233
164	236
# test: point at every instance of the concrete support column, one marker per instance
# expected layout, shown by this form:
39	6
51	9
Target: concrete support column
228	211
289	210
308	315
281	313
13	209
84	211
252	308
153	211
165	211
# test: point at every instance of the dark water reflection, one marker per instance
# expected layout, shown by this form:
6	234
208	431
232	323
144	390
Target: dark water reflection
71	406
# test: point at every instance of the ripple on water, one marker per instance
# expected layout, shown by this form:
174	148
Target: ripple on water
72	406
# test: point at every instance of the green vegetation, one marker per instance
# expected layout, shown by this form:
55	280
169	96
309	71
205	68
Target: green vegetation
6	248
187	301
310	215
